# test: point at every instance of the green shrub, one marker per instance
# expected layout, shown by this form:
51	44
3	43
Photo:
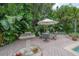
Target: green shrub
74	34
12	27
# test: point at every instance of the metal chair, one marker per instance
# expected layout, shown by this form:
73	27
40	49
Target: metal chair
45	36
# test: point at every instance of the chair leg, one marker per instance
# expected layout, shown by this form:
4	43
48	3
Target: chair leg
45	39
53	38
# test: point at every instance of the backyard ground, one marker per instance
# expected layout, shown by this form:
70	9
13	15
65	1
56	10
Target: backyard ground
50	48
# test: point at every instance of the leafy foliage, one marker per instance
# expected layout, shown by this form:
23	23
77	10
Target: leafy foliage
74	34
16	19
67	15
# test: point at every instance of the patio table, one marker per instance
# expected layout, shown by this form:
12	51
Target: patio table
45	36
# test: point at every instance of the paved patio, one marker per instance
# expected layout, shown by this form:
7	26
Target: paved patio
51	48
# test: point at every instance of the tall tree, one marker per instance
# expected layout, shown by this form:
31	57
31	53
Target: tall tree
67	16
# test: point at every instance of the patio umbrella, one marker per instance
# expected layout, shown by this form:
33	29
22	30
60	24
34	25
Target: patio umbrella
47	22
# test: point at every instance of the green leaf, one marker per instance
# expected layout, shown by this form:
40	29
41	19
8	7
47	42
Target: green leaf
5	24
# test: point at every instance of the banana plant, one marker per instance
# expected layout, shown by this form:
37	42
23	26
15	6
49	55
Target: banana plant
5	24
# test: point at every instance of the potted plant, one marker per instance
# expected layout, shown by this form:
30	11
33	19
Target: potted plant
74	36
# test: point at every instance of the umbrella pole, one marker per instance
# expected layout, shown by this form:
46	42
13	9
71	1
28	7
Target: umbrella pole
44	28
47	29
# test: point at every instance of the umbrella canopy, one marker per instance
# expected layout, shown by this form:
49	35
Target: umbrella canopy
47	22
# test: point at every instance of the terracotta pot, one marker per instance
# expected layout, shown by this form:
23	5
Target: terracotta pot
74	38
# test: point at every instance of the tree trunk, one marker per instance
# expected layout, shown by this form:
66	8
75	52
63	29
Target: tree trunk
1	39
75	25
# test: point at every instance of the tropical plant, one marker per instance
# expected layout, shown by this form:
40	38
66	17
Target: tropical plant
16	19
67	15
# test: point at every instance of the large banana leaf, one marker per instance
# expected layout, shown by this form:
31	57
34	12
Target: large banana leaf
5	24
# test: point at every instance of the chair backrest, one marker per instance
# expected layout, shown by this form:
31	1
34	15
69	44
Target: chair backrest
45	35
28	33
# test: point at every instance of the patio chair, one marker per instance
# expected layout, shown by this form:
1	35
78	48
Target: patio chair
53	36
45	36
27	35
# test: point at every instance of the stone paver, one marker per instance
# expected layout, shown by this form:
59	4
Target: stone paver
50	48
